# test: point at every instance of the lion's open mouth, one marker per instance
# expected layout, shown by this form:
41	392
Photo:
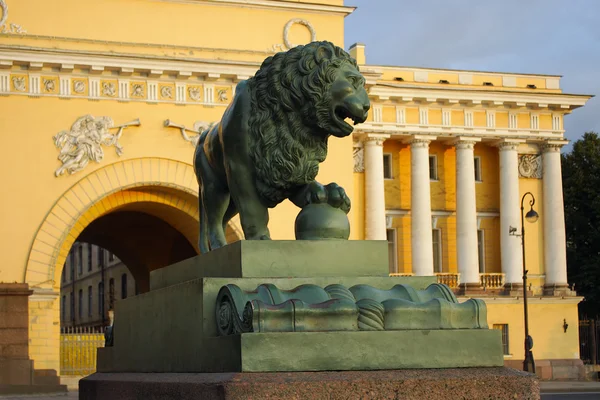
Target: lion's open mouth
343	113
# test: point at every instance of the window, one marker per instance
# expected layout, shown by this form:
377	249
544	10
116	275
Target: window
101	298
535	121
111	257
481	250
556	122
504	329
469	118
387	166
111	294
63	308
400	115
423	116
101	257
80	260
89	301
433	173
124	286
73	260
377	114
477	161
446	117
490	118
512	121
392	253
72	306
89	257
437	250
80	304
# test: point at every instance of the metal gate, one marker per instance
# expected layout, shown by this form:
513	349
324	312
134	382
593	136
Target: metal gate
78	348
589	338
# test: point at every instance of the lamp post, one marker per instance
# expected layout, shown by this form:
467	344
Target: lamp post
531	216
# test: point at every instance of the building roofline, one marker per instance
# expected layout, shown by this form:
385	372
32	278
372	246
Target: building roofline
468	88
459	70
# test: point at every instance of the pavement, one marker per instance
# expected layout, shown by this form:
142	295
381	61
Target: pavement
551	390
569	386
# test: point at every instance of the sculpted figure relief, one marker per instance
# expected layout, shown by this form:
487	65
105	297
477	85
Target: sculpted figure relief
83	143
268	146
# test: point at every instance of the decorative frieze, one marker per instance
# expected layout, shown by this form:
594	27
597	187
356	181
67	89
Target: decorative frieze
530	166
83	142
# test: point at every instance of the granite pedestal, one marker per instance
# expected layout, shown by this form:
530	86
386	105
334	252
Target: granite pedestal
170	333
496	383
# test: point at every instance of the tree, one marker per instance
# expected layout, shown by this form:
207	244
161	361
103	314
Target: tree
581	185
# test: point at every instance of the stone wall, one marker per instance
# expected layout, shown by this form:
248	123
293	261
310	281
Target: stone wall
15	366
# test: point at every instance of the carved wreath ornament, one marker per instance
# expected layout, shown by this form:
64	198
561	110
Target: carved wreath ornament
530	166
286	33
5	27
83	143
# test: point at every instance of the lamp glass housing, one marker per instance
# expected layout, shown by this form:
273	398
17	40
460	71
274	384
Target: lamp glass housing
532	216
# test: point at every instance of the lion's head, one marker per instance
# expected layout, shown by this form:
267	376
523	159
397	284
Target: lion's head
299	98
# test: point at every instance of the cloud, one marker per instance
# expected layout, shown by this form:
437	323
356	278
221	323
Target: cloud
522	36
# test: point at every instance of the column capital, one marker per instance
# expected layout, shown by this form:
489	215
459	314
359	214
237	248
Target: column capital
420	140
553	146
375	139
465	142
508	144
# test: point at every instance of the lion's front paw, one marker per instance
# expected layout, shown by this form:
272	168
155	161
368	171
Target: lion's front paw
316	193
336	197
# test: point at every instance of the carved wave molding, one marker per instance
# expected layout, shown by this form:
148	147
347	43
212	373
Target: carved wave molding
310	308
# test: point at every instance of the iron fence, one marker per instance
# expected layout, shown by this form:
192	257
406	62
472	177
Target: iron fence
589	340
78	348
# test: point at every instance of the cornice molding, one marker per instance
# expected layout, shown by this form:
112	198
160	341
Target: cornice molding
442	131
273	4
465	96
127	64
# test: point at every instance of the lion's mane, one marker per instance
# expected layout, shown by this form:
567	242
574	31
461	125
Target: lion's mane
290	116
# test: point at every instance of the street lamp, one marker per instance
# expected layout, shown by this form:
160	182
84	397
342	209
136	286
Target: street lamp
531	216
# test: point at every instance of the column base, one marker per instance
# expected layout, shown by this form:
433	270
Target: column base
515	290
558	289
470	288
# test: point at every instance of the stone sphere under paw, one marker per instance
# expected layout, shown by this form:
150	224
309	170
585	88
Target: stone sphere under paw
322	222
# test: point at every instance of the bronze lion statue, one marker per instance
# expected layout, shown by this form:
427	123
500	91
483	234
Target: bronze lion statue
272	138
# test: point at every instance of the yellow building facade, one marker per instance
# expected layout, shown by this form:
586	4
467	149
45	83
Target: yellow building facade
100	105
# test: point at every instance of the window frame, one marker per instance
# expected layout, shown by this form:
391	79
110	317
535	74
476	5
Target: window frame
440	250
505	335
436	168
124	286
481	250
393	264
477	163
389	158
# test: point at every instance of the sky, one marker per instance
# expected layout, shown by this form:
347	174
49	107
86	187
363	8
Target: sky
560	37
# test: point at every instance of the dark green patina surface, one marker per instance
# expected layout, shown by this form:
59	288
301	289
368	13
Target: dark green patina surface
311	308
268	146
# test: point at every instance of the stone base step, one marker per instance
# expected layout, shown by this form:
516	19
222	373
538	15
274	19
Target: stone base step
455	383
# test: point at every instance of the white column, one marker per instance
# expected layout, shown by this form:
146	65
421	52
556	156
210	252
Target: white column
553	215
466	212
374	188
421	240
511	254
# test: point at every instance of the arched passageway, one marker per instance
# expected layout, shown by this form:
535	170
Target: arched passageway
145	211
